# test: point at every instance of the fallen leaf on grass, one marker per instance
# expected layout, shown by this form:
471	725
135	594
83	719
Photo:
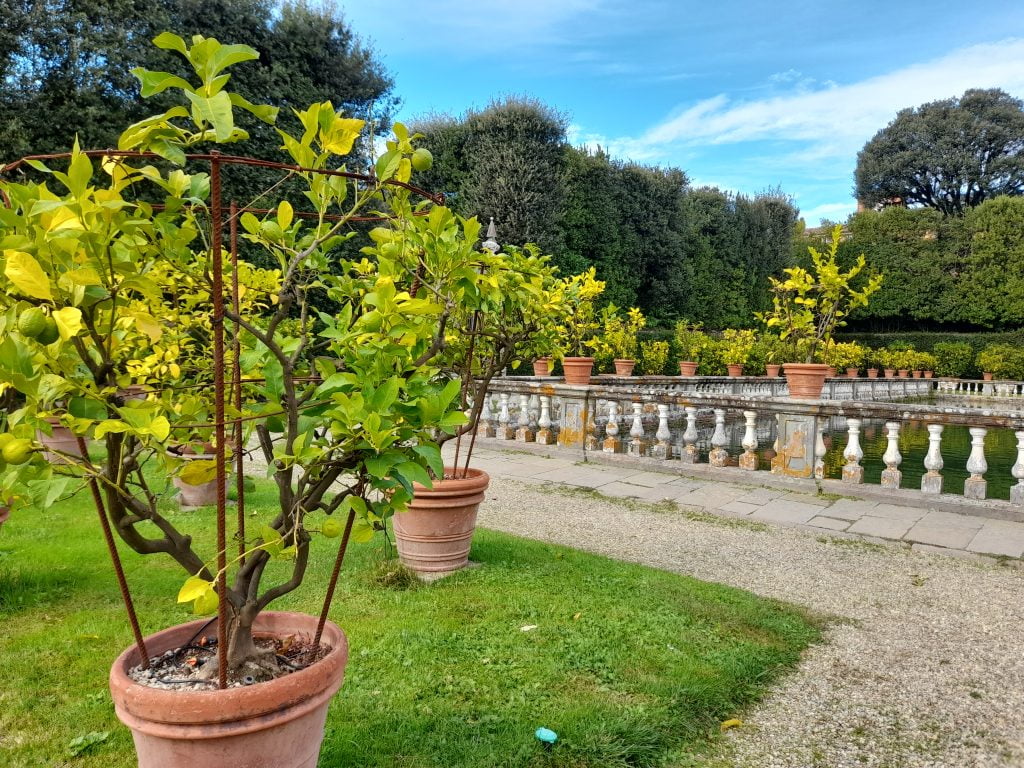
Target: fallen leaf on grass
528	628
733	723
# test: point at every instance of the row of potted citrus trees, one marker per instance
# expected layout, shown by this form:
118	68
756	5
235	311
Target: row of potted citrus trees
110	256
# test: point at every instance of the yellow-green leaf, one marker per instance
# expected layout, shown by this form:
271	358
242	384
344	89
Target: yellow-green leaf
206	603
160	428
284	214
69	322
198	471
194	588
27	276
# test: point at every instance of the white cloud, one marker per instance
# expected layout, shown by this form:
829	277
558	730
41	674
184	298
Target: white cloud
836	119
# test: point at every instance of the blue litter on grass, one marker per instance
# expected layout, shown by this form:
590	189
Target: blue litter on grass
546	736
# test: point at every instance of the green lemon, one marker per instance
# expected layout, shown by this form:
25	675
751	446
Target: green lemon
32	322
17	451
331	528
49	334
391	250
422	160
5	438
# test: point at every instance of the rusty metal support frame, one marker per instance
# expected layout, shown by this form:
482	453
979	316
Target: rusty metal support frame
220	422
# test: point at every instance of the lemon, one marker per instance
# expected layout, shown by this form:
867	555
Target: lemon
49	334
17	451
32	322
331	528
5	438
422	160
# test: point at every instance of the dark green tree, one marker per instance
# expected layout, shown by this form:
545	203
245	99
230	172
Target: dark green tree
949	155
64	65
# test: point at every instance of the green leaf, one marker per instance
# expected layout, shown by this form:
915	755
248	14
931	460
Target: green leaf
170	42
432	455
157	82
412	471
87	408
213	110
362	531
273	543
264	112
111	426
26	275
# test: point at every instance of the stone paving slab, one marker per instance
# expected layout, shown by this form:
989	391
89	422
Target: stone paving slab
931	529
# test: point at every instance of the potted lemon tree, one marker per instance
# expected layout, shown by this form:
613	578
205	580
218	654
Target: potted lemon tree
344	406
621	336
808	305
581	330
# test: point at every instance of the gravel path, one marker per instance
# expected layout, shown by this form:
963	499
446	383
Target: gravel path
924	665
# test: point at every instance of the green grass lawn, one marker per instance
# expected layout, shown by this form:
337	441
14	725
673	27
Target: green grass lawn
631	666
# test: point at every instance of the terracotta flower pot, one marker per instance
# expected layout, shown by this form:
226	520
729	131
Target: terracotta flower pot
5	513
806	380
903	373
872	373
852	372
687	368
62	439
542	366
277	723
918	374
577	370
735	370
832	371
986	376
434	534
890	373
929	374
624	367
772	370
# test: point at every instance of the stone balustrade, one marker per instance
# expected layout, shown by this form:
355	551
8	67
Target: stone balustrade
660	419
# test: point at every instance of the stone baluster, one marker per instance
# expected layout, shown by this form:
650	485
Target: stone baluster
819	447
688	449
524	434
505	429
891	475
612	443
486	426
534	412
545	435
663	448
976	486
591	442
719	457
748	460
1017	491
853	472
637	442
931	481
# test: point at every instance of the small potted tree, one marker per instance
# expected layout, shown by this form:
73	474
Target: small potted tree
653	357
775	350
735	348
928	362
845	357
516	309
343	405
690	343
808	306
872	361
581	331
621	337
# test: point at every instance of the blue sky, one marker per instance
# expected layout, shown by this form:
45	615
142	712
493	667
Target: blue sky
742	95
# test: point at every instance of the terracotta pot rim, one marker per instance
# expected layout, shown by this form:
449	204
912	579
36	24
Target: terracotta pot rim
805	367
475	482
154	710
580	359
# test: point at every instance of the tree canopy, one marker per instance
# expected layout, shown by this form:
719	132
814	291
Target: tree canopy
950	155
64	65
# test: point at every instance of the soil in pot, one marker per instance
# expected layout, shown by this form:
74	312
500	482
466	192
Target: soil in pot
624	367
277	723
687	368
577	370
435	533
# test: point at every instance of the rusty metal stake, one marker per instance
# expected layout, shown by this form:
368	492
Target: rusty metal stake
329	597
217	270
122	582
236	385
